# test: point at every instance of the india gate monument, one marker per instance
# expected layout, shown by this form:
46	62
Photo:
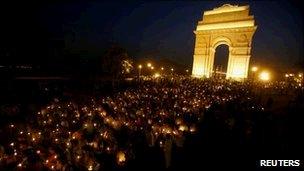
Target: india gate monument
231	25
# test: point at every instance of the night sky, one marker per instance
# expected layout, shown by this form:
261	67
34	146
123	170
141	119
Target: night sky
33	33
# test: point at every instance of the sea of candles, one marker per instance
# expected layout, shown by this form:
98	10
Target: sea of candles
70	132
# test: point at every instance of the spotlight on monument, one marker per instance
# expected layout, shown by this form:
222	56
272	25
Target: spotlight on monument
254	69
264	76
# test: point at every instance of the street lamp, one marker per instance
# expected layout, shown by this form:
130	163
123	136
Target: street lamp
264	76
254	69
139	70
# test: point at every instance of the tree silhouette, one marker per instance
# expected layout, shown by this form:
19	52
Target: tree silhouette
116	62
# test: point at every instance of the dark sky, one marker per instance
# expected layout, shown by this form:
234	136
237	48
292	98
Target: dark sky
157	29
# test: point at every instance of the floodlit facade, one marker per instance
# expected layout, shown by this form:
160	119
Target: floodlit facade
231	25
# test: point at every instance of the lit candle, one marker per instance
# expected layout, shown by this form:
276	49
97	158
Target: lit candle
121	157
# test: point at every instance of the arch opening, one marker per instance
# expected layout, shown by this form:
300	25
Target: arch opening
220	63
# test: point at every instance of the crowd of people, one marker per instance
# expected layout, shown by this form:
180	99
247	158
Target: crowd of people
98	133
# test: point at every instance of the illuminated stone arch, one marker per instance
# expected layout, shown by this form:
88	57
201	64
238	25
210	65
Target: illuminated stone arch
230	25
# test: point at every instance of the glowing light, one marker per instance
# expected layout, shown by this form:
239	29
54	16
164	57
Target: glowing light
139	66
286	75
187	70
264	76
192	128
162	68
254	69
172	69
156	75
20	165
152	67
121	157
38	151
149	64
178	121
183	128
300	75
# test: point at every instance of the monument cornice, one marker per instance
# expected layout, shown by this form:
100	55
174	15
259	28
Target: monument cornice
230	30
